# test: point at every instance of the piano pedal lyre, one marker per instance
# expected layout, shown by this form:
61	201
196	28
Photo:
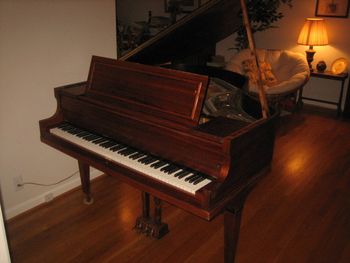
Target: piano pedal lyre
148	225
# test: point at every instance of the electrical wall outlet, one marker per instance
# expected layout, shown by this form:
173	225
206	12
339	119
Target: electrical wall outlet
18	181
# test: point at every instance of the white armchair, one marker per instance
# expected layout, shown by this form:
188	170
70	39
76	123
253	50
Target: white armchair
290	72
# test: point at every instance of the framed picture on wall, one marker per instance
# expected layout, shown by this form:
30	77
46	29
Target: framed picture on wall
181	6
332	8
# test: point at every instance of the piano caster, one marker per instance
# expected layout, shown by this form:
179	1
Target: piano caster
88	200
151	226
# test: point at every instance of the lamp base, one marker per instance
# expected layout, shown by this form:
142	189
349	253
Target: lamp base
310	57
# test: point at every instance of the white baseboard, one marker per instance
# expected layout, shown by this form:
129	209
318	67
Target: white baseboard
40	199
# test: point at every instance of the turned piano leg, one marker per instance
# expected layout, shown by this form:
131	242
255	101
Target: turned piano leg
84	170
142	222
151	225
232	223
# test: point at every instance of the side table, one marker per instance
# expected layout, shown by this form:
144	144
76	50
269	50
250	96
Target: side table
346	111
337	77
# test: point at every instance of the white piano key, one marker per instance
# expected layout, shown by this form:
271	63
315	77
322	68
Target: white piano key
133	164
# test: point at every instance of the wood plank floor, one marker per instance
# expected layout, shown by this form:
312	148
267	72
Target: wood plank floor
300	212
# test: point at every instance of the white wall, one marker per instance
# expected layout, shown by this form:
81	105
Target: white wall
4	251
43	44
285	37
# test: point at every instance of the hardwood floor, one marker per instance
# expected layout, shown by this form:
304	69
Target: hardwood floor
300	212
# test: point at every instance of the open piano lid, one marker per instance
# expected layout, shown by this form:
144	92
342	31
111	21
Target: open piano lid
193	34
165	95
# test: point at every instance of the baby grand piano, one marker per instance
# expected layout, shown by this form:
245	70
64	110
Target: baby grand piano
145	125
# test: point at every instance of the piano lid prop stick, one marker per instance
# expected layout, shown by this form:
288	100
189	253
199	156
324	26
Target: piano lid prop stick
262	95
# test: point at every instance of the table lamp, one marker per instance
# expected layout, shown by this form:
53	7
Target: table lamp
313	33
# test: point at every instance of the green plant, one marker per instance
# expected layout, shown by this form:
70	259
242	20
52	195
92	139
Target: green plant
262	14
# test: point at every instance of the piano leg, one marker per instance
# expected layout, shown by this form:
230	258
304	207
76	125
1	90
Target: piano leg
232	223
148	225
159	229
142	222
84	170
145	204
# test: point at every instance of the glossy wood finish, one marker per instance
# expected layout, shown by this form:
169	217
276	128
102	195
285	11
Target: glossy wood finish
300	212
134	89
111	103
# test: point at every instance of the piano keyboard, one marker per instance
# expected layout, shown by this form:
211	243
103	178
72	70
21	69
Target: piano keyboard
180	177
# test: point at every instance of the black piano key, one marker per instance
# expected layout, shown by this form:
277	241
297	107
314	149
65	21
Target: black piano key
127	151
87	135
91	137
75	131
173	170
169	169
117	147
200	179
108	144
165	168
147	159
82	134
194	178
182	173
190	177
136	155
100	140
151	160
64	125
68	128
71	131
106	140
144	159
123	150
158	164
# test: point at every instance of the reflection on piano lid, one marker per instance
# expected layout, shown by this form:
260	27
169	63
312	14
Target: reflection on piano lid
191	37
224	99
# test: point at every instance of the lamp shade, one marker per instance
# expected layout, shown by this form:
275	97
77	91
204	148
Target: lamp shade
313	33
